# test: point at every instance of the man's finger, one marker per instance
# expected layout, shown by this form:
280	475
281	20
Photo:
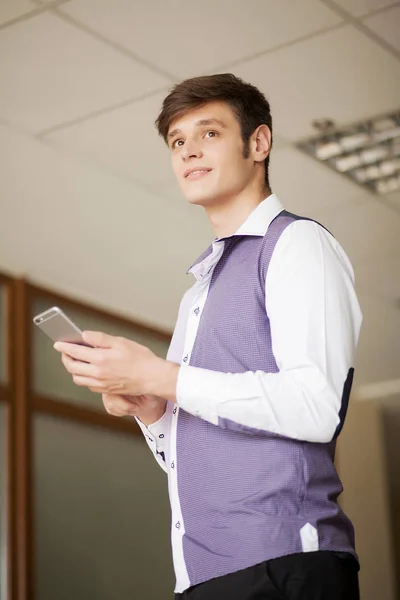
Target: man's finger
98	339
90	382
76	367
76	351
118	406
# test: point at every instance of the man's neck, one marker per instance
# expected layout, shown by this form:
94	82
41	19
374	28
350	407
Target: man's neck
227	217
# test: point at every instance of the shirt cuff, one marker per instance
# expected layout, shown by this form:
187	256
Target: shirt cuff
155	433
197	392
157	429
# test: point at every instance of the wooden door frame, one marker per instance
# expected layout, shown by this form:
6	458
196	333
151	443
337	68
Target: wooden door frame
22	404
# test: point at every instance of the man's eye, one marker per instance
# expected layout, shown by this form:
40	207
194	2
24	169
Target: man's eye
176	143
211	133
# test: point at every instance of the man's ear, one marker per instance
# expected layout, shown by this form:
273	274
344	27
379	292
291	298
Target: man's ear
260	143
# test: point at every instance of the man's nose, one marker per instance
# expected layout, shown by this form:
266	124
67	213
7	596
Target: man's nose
190	150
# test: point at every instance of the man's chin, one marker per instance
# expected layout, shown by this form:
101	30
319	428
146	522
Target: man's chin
196	201
200	199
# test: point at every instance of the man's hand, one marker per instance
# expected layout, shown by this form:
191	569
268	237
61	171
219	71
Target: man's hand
117	366
148	409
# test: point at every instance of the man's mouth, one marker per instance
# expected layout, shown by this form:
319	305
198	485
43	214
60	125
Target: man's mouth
196	173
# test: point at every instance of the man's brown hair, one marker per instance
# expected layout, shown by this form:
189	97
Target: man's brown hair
249	105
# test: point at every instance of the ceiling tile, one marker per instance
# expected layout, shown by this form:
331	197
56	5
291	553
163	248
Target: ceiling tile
188	38
124	141
366	231
387	25
12	9
341	75
307	187
359	8
52	72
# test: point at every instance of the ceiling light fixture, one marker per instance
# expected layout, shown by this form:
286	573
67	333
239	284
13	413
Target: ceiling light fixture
367	153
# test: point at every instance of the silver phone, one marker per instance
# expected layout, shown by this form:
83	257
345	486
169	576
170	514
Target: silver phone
55	323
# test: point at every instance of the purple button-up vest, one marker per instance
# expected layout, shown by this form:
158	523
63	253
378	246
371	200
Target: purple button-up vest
246	495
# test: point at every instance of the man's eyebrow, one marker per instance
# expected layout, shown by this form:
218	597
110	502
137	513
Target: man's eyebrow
201	123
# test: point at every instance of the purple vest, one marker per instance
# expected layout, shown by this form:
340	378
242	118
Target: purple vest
245	497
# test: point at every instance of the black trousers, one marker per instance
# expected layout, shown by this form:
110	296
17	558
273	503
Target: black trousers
308	576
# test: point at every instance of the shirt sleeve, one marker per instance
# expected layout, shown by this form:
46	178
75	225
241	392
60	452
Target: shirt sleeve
315	320
157	435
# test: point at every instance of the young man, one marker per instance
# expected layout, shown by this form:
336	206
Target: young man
244	413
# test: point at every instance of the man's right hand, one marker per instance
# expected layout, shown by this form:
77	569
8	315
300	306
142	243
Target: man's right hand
148	409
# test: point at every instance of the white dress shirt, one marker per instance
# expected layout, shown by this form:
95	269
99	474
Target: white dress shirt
315	321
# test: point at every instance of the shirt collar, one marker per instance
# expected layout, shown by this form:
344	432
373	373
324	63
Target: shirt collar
256	224
259	220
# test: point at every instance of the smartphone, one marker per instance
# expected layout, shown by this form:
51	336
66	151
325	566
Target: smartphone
55	323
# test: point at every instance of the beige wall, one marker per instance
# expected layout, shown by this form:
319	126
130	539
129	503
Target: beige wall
391	429
361	465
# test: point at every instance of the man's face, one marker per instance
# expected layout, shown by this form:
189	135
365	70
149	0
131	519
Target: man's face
207	155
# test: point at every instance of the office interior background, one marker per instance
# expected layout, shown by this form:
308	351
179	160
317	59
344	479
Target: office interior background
92	220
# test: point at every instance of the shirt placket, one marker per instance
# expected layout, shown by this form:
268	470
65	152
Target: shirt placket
203	274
